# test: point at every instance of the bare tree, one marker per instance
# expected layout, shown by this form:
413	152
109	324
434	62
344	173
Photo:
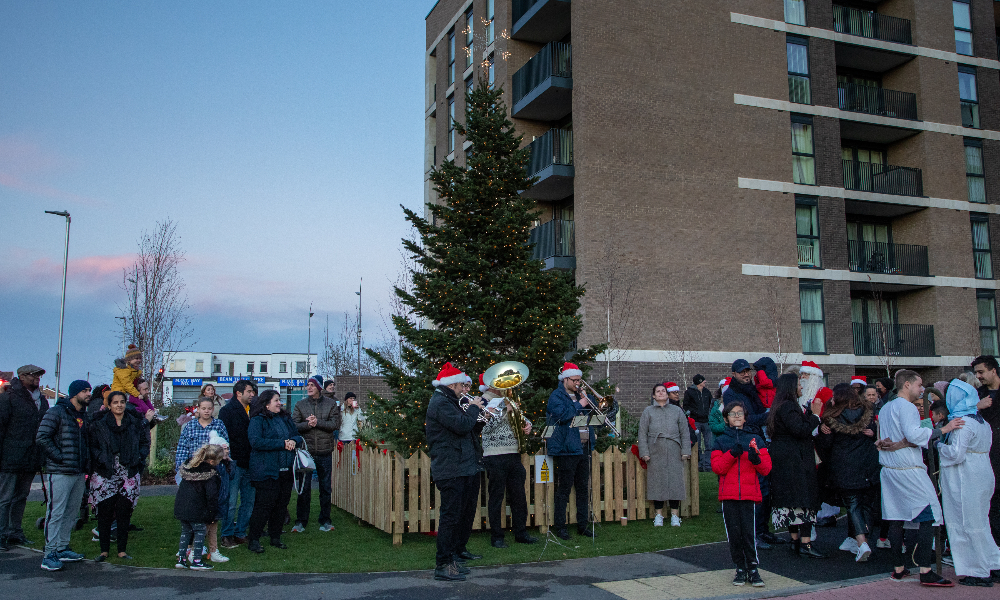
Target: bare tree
156	305
621	310
340	357
886	339
776	311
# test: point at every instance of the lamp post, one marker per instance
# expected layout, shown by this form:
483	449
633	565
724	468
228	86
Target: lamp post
62	305
309	343
359	335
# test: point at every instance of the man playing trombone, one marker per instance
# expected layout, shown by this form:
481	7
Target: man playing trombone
570	449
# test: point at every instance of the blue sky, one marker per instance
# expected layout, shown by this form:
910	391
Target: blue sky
280	136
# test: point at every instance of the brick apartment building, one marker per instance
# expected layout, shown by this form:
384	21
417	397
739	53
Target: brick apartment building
722	175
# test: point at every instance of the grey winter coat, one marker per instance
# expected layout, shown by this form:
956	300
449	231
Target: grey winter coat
664	437
320	438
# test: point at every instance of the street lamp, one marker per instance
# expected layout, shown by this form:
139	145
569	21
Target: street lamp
62	305
359	335
309	343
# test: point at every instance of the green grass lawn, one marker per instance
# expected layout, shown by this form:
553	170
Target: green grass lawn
358	547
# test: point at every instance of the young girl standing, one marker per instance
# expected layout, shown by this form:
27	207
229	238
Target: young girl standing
738	457
197	503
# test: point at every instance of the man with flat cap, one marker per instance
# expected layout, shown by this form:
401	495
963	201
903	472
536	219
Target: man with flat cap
21	409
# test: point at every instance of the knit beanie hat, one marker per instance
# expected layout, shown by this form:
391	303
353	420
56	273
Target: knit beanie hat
133	353
318	380
698	379
78	386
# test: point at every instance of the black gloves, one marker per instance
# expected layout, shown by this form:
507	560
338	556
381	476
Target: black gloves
736	450
753	455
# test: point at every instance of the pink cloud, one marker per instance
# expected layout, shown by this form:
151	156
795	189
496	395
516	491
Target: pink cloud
87	274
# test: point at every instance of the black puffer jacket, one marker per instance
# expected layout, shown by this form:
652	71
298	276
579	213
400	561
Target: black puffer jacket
197	499
133	442
449	436
19	421
698	403
851	455
237	421
62	435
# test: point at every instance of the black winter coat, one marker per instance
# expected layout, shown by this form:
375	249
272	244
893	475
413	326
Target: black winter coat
850	454
449	436
237	421
793	456
698	403
746	394
134	443
197	499
268	432
62	435
19	421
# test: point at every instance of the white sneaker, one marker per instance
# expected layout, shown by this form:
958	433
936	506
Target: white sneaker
217	557
864	551
883	543
850	545
675	521
658	521
298	528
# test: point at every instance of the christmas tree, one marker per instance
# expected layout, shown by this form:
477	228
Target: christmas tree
479	296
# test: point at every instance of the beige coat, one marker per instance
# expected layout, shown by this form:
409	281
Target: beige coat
664	437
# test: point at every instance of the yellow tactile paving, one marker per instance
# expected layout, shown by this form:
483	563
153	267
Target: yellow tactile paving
704	584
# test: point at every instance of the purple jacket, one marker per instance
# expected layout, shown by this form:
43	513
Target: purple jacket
141	405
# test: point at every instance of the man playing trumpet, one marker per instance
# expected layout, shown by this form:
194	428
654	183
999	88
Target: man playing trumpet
570	449
502	456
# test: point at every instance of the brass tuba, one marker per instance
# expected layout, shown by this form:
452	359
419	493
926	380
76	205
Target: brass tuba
505	377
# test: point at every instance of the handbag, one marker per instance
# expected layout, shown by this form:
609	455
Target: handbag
302	467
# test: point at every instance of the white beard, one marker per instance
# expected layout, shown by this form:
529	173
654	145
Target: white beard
810	385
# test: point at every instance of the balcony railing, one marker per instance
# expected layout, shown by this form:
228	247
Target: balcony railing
552	239
883	179
876	339
555	59
877	101
869	24
554	147
970	114
808	253
892	259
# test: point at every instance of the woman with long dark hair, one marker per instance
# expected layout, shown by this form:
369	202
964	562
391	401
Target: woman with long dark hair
273	440
853	464
794	488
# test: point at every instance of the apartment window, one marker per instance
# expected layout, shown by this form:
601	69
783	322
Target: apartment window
282	367
803	158
491	71
469	38
795	12
963	27
263	367
249	367
807	231
179	364
300	366
468	85
981	246
986	304
217	368
199	366
811	310
232	368
974	171
490	14
797	50
451	57
451	123
970	98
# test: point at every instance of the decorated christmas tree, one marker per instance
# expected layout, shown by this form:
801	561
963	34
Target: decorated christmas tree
477	296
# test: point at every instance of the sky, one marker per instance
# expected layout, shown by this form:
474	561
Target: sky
281	137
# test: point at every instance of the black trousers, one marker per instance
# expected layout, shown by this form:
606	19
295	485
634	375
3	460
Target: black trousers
739	517
995	514
572	471
924	553
324	471
506	474
271	498
459	497
674	504
860	505
119	508
763	515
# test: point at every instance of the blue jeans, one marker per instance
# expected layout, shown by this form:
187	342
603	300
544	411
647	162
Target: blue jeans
239	485
705	456
324	468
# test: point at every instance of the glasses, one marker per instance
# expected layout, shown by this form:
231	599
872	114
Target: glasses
736	414
575	379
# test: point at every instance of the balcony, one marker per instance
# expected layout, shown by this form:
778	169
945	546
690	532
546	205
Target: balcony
543	87
877	101
554	244
552	162
540	21
970	114
882	179
890	259
876	339
872	25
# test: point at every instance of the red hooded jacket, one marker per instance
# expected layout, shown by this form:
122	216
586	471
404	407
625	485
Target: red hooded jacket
738	476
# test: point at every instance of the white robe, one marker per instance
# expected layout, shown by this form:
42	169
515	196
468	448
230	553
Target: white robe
906	487
966	488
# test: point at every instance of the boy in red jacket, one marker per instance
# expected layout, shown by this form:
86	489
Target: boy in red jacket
738	457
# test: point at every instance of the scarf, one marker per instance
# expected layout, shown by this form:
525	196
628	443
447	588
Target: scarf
962	399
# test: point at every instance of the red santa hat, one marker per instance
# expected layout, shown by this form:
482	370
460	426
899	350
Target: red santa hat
569	370
824	395
482	384
449	375
671	386
811	368
859	380
724	384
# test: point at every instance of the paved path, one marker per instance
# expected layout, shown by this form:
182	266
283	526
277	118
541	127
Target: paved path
695	572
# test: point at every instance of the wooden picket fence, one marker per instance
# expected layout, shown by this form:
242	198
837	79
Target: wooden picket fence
397	494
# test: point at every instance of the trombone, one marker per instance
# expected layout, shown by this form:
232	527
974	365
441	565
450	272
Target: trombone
610	407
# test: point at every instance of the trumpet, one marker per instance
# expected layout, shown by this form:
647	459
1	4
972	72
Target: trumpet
606	407
466	400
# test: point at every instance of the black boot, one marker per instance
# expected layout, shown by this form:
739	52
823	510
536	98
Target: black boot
808	551
562	534
796	546
448	572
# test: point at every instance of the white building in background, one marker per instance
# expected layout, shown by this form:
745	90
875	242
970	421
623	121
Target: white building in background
186	372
